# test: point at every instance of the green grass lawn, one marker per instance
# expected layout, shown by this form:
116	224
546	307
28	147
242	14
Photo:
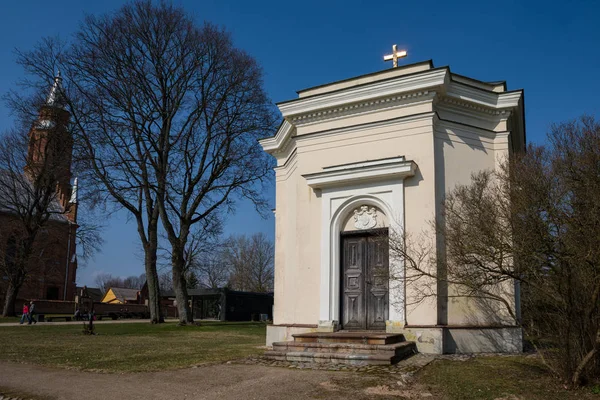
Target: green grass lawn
131	347
136	347
496	377
4	320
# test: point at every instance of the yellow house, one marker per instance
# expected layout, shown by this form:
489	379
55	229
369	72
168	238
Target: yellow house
121	296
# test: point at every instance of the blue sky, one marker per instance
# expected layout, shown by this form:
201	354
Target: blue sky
550	49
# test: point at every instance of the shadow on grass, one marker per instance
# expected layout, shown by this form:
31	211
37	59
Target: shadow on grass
493	377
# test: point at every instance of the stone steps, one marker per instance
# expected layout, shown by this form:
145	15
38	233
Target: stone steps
334	358
352	348
383	349
349	337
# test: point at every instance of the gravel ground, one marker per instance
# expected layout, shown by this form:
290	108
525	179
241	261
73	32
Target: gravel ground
253	378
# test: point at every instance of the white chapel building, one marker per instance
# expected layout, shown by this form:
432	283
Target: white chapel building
360	158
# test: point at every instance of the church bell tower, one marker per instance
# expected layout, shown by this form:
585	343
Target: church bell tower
51	147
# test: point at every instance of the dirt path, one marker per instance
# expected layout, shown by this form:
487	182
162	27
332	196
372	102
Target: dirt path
222	381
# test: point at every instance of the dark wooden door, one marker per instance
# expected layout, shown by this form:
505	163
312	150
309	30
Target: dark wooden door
353	283
365	281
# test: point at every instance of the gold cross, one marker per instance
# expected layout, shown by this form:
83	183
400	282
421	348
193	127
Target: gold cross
395	56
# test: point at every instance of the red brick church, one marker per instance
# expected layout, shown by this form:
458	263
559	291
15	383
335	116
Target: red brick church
52	272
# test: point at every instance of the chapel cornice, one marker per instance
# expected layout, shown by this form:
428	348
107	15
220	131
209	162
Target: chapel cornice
364	93
458	103
362	107
483	98
438	84
276	143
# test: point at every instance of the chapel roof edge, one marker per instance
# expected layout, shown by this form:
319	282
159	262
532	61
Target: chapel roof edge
436	69
493	84
273	135
420	63
496	87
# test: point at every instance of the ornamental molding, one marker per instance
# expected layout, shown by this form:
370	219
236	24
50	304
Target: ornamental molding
470	131
494	100
459	103
361	108
274	143
365	217
364	93
377	170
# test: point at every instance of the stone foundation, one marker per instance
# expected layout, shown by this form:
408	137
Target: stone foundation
459	339
483	340
282	333
428	340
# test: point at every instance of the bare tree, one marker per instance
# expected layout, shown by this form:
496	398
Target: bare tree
106	281
211	153
168	115
101	280
251	262
213	271
128	77
165	280
135	282
536	222
202	243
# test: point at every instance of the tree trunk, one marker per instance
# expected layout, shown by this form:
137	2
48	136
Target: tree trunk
156	316
18	274
9	301
576	381
180	285
150	244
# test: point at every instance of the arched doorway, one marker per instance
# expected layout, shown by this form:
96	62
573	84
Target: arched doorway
364	274
343	190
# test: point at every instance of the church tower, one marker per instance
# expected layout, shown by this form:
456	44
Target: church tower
51	147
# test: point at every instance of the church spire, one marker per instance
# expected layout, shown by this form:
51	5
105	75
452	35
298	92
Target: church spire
72	207
56	97
74	199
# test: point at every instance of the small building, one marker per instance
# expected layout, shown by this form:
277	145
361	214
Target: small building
372	156
95	294
122	296
228	305
168	310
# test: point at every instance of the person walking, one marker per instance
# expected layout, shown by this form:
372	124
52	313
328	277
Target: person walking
32	316
25	314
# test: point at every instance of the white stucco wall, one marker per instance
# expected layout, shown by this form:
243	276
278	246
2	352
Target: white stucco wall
444	136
